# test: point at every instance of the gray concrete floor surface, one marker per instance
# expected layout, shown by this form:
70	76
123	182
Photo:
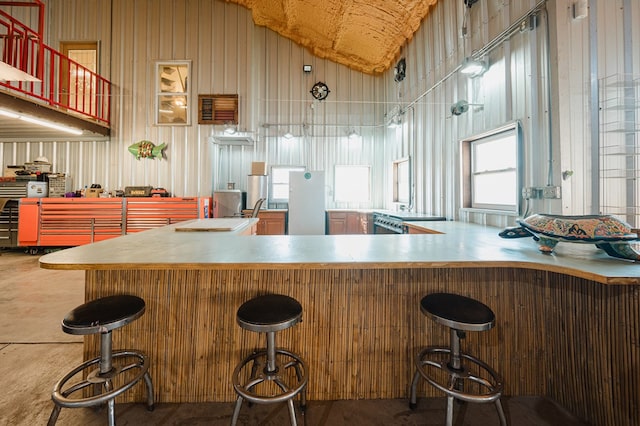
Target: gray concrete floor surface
35	353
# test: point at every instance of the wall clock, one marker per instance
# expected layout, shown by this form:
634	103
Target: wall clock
320	91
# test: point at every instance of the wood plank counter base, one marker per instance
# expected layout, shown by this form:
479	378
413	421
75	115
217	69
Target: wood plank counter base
567	325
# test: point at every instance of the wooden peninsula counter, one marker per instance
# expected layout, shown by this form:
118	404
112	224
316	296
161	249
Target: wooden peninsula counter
568	324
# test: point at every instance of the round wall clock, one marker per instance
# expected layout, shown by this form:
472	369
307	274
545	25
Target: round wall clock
320	91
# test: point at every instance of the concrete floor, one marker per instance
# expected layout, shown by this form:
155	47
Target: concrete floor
35	353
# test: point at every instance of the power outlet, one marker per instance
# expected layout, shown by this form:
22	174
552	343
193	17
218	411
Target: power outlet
551	192
531	192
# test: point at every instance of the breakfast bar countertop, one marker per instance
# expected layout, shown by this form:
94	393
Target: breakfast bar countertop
459	245
361	296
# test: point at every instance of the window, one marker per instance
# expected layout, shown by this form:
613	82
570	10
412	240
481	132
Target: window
401	181
172	96
352	183
491	176
280	182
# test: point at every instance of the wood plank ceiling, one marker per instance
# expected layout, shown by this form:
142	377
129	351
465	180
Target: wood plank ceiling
365	35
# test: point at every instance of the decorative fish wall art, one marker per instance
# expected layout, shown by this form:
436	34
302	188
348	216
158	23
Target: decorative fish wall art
147	149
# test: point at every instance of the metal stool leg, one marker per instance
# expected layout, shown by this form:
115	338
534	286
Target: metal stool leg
112	412
292	413
151	405
413	399
503	419
449	421
303	392
53	418
236	411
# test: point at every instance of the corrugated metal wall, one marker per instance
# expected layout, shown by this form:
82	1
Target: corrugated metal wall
512	89
230	55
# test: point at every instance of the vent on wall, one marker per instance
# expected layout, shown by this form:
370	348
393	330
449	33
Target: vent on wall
217	109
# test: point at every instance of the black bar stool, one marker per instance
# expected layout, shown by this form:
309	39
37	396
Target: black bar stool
111	378
460	314
268	314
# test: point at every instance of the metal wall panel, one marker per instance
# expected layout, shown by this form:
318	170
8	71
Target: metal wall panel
229	54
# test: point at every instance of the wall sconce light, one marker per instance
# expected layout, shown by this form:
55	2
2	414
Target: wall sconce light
473	67
353	134
462	106
230	129
396	121
306	68
394	117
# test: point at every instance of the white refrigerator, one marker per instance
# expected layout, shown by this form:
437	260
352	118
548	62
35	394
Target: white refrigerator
306	203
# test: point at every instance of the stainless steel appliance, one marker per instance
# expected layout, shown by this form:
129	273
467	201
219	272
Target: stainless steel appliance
37	189
257	188
227	203
390	222
23	188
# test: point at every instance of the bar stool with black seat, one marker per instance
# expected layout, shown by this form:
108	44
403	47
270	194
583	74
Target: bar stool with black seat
110	374
280	373
444	368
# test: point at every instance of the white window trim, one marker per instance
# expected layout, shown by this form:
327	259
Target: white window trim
271	182
158	92
396	192
466	167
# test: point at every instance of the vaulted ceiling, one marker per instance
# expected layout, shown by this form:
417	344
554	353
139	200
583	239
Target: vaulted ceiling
365	35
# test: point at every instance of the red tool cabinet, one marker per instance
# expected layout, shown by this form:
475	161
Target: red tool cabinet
66	222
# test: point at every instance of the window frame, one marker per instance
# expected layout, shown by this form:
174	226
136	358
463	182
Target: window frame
396	166
160	93
272	182
468	172
70	93
335	182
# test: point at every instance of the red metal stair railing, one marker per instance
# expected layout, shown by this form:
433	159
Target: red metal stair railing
61	82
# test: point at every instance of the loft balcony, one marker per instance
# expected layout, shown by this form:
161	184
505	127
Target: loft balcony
40	85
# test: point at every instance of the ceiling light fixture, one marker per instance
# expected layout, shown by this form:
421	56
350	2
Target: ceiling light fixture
353	134
8	114
288	135
39	122
473	67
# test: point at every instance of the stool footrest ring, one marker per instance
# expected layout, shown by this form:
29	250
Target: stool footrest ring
493	384
60	396
259	374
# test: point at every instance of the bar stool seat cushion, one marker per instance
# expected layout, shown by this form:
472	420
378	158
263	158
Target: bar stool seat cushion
103	315
458	312
269	313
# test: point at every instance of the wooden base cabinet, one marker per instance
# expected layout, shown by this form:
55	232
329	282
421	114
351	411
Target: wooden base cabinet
414	229
272	222
348	222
